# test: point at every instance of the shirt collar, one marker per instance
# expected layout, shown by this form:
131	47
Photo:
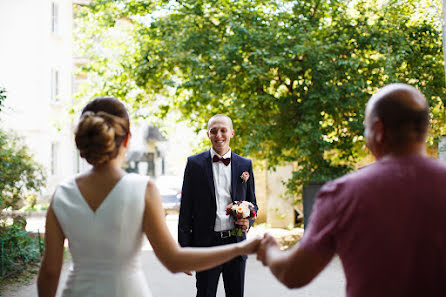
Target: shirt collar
227	155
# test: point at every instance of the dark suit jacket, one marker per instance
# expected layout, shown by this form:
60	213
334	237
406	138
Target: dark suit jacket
198	203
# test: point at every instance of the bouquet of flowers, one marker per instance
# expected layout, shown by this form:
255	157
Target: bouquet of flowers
240	210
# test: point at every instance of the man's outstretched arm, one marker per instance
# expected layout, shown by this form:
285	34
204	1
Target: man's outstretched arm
294	268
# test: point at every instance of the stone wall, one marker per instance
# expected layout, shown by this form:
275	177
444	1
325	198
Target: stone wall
442	149
275	207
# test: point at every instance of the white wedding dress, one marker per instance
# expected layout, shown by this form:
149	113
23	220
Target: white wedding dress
105	245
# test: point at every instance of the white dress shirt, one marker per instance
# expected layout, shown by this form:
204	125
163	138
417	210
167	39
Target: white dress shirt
222	185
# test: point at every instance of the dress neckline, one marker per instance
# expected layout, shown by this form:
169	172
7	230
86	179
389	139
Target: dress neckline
95	212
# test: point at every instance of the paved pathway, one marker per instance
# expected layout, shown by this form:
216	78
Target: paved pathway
259	281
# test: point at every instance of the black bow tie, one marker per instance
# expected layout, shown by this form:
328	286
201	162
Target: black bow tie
225	161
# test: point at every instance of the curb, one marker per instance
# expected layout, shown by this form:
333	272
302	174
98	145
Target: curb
13	213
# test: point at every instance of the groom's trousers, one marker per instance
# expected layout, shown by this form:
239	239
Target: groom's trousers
233	273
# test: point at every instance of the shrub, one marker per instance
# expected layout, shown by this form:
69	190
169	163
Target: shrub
17	248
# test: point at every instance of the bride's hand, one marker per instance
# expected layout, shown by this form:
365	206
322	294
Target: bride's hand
250	246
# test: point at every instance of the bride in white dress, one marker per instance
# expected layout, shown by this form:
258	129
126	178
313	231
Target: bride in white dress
104	214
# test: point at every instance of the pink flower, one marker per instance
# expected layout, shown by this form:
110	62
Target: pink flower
244	176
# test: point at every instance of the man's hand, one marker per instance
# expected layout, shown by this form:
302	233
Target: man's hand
188	273
250	245
268	244
244	224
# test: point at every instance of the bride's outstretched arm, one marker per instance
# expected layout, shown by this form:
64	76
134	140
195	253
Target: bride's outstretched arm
52	260
171	255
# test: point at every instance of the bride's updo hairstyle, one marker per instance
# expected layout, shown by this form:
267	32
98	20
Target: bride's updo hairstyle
102	128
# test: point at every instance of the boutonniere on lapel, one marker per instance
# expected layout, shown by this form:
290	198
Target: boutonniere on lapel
244	177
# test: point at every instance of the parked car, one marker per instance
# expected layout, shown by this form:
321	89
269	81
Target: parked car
170	190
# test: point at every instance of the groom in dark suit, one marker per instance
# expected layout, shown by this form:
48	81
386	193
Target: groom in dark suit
212	180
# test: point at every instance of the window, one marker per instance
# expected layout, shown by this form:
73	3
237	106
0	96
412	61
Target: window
54	157
163	166
150	159
78	161
54	85
54	18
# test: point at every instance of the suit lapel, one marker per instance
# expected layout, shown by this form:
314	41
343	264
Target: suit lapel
210	173
234	176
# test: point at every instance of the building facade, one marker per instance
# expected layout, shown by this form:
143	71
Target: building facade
36	71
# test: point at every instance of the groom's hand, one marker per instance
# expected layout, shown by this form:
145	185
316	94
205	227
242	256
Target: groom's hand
244	224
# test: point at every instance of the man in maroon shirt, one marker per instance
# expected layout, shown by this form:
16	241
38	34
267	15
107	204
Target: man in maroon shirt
387	221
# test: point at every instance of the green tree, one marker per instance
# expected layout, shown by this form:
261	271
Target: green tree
294	75
2	97
21	179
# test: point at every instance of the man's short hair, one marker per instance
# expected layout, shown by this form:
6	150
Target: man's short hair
220	116
406	122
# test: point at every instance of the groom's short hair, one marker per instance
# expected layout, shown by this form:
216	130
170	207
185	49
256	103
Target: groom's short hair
220	116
